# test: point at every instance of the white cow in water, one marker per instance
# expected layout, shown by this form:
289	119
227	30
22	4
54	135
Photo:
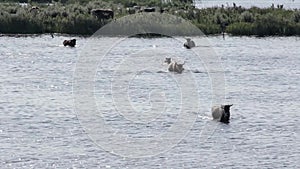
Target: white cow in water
221	113
174	66
189	43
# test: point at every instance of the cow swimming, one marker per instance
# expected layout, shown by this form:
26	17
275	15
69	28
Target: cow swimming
221	113
174	66
189	43
70	43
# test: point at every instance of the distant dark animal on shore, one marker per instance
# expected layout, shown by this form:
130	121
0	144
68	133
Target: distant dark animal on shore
279	6
152	9
221	113
102	14
70	43
134	9
137	8
130	10
189	43
34	10
163	10
234	5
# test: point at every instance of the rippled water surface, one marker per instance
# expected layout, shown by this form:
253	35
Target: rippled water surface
40	128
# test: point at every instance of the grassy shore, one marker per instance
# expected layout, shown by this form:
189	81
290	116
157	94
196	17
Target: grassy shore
74	17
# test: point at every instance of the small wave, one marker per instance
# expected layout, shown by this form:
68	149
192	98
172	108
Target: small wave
54	45
197	71
161	71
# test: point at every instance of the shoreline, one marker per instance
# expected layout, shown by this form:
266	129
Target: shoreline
139	36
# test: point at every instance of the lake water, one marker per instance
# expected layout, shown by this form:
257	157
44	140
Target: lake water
288	4
41	125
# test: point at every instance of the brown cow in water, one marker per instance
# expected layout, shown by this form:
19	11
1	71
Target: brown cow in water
102	14
70	43
174	66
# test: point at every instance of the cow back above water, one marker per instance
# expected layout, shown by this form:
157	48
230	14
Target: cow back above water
70	43
174	66
102	14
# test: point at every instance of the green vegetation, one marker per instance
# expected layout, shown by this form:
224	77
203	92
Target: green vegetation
253	21
74	17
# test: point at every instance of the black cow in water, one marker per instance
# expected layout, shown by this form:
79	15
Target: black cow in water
102	14
70	43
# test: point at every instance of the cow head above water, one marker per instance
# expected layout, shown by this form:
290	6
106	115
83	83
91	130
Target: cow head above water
179	67
227	107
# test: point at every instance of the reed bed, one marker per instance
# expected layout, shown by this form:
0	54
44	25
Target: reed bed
74	17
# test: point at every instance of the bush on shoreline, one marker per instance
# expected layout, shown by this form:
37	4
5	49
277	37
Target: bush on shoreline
76	18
